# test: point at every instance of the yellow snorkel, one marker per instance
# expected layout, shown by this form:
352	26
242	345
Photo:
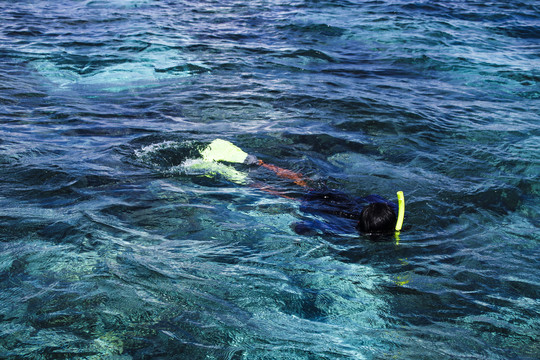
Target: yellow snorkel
401	214
401	210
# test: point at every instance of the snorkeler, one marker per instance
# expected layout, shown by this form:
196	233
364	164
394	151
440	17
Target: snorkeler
371	215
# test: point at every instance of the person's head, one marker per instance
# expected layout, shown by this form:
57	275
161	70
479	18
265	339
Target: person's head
377	218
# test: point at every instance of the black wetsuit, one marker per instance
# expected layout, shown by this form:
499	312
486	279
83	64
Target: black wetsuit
336	212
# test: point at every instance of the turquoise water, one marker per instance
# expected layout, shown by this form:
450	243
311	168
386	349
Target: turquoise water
110	250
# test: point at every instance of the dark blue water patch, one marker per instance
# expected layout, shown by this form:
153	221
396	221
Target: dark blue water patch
315	54
531	95
323	143
187	68
520	32
54	188
103	132
524	78
24	31
83	64
315	29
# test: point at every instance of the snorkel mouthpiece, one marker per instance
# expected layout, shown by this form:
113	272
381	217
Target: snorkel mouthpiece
401	210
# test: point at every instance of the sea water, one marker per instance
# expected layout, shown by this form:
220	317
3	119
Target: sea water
110	250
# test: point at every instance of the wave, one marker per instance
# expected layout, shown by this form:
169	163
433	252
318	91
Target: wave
307	53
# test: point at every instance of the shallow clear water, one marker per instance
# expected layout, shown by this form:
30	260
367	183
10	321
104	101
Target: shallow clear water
109	250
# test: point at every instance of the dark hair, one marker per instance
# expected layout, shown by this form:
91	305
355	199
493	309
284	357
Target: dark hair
377	218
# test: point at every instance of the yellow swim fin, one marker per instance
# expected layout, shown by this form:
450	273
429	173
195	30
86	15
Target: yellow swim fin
223	150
